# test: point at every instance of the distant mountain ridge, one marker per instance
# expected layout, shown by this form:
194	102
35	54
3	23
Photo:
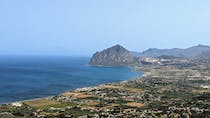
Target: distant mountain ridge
191	52
117	55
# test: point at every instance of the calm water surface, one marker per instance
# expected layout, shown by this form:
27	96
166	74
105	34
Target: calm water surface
23	78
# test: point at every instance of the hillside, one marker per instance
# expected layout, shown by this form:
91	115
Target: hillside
191	52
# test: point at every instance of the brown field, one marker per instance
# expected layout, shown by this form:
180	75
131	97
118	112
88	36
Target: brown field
135	104
77	95
201	91
111	106
128	110
110	87
91	102
40	102
132	90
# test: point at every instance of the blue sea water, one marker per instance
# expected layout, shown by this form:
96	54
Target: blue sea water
29	77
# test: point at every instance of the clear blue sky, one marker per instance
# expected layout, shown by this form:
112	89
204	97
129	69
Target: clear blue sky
81	27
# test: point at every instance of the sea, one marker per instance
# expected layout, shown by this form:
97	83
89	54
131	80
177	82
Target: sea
30	77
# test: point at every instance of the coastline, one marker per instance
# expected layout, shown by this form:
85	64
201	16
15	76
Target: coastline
132	69
160	91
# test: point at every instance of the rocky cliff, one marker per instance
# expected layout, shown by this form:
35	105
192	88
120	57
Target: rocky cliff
114	56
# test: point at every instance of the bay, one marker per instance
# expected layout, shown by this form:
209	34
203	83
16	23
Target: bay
29	77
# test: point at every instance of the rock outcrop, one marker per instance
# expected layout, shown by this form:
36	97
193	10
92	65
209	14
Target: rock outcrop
114	56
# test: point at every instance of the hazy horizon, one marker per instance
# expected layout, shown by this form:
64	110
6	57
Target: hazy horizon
80	28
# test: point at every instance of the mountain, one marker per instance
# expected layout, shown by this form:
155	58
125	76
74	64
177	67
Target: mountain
118	55
113	56
191	52
204	55
136	54
154	52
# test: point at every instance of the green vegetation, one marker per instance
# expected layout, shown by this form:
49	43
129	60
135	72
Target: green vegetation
59	105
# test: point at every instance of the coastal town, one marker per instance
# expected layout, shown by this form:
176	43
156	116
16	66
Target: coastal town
169	88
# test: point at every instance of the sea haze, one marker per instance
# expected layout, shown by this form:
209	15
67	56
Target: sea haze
28	77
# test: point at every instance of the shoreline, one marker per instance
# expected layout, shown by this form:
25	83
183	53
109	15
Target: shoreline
159	91
132	69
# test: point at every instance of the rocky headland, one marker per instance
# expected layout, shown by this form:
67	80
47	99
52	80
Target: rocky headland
113	56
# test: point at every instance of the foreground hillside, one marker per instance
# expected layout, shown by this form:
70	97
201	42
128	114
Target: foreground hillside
174	88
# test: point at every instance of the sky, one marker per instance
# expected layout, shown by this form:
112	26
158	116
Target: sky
82	27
